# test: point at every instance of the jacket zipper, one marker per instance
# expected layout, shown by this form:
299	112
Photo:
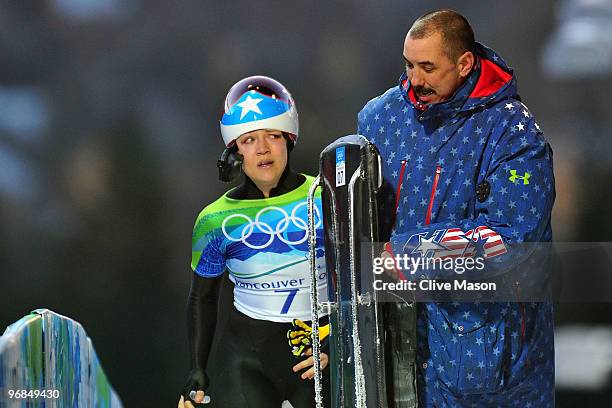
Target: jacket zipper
399	186
432	196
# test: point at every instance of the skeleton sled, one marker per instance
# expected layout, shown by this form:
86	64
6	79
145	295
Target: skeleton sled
372	344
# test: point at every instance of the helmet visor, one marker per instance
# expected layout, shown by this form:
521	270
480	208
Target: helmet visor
260	84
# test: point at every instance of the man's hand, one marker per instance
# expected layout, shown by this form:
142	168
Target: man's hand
193	392
309	362
393	272
300	337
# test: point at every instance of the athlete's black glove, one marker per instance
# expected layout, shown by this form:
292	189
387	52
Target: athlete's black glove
196	381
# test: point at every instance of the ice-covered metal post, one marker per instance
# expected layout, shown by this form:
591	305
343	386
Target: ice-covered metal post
360	389
314	293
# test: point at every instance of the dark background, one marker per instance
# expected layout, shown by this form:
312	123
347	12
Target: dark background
109	136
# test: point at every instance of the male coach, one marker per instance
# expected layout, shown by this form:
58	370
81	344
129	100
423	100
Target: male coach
468	162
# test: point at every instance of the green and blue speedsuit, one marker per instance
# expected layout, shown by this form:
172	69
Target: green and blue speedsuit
263	243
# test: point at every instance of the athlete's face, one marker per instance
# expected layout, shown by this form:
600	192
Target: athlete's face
434	77
264	155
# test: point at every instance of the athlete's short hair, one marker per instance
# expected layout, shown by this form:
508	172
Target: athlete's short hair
457	34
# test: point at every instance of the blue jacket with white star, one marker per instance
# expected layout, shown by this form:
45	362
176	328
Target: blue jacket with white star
435	156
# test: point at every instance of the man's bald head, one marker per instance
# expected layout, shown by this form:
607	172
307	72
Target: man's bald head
457	34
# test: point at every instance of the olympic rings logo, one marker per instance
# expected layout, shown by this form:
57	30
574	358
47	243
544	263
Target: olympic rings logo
279	231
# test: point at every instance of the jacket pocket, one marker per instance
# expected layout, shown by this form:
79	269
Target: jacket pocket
468	355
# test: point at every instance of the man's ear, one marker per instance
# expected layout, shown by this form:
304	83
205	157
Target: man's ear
466	63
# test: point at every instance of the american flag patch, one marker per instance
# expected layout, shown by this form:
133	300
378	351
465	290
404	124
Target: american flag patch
494	244
456	244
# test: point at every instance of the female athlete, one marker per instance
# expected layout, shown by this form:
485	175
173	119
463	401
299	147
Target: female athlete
258	232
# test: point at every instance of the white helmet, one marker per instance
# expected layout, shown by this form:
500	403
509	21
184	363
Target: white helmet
258	102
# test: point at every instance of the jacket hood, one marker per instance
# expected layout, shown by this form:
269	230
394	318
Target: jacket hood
490	81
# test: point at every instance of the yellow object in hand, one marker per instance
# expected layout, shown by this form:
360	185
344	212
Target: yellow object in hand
300	336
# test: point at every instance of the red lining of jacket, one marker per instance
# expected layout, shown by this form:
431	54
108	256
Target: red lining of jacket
492	79
411	94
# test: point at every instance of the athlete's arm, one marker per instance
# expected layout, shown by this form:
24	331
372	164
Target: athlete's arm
201	323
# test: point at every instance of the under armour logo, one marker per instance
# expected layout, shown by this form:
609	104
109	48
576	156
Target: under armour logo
515	177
